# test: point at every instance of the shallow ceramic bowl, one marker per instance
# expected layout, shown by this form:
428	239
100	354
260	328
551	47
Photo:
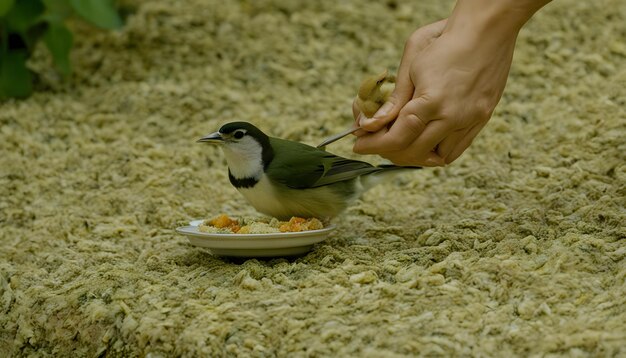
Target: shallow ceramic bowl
255	245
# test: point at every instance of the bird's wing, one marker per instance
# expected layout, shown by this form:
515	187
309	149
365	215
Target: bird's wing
300	166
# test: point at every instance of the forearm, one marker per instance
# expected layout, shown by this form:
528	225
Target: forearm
500	19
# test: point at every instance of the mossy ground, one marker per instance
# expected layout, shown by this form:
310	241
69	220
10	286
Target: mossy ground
516	248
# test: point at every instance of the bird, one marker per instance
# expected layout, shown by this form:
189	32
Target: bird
283	178
374	92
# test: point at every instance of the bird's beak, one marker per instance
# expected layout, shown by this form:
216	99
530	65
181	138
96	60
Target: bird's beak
212	138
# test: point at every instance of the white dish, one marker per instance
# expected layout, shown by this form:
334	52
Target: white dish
255	245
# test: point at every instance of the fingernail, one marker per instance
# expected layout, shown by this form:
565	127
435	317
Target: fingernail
382	111
435	161
363	121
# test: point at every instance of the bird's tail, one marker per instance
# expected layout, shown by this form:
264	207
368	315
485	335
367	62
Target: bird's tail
386	172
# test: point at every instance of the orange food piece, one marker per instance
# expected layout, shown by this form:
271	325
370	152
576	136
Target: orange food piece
296	220
295	224
222	221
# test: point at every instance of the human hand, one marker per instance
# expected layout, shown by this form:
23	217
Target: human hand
451	77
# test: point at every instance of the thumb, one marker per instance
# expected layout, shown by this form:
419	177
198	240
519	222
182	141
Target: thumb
388	112
402	93
405	87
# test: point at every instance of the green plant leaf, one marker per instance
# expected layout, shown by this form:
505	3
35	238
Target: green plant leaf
57	10
4	39
5	6
59	41
33	34
15	79
98	12
24	14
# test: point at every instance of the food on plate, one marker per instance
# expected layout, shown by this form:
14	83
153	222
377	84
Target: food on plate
223	224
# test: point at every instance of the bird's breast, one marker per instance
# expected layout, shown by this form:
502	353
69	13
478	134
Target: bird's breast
263	196
279	201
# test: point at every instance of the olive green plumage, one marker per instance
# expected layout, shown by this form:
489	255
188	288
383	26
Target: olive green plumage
315	167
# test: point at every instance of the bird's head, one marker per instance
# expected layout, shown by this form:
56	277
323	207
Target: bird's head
247	148
371	85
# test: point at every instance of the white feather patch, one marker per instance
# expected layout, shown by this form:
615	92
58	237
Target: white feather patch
244	158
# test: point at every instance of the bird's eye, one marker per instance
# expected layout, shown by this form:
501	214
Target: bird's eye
238	134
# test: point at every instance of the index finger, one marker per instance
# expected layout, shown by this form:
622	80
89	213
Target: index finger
411	122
